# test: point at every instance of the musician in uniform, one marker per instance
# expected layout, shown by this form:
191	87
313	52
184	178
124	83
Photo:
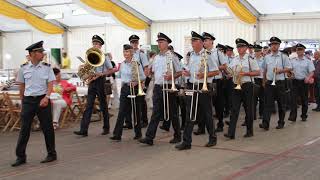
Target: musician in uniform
35	78
244	69
228	84
259	95
275	66
199	102
162	76
97	88
142	58
218	98
131	71
303	70
180	99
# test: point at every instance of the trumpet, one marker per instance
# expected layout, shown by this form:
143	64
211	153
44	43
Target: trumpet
132	96
238	77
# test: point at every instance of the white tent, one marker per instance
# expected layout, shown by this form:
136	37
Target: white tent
288	19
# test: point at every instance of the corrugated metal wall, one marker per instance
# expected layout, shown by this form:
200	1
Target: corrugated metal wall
290	29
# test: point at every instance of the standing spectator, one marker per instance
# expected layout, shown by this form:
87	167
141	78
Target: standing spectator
66	62
317	79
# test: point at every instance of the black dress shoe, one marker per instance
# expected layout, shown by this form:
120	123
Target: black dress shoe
199	133
137	137
49	159
304	119
211	143
219	129
115	138
243	124
229	136
316	109
79	133
182	146
146	141
164	128
280	126
105	132
292	120
127	126
263	127
18	162
227	123
175	140
248	135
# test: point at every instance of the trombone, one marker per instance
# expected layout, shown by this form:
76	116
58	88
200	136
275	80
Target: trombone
135	78
238	78
203	65
165	86
274	74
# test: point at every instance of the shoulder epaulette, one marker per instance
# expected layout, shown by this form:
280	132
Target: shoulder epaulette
46	64
141	51
23	64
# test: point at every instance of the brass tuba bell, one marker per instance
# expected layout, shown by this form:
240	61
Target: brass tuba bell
94	58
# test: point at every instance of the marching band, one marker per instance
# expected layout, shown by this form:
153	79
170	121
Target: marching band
209	77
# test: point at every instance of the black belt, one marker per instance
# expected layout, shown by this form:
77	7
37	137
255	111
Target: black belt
34	97
279	81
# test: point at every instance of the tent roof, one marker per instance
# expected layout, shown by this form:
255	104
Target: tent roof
285	6
156	10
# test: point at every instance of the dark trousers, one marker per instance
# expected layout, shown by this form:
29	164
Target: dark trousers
183	111
299	89
30	108
245	96
259	97
205	109
125	108
158	113
272	94
227	91
143	111
317	92
180	105
96	88
218	101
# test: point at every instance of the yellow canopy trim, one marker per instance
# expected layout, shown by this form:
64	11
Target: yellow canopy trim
240	11
15	12
121	14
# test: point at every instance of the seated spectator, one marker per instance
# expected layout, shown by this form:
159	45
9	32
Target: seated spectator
61	96
11	84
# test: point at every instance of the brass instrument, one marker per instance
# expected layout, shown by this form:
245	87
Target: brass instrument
135	78
203	67
165	85
274	74
290	74
238	77
94	58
